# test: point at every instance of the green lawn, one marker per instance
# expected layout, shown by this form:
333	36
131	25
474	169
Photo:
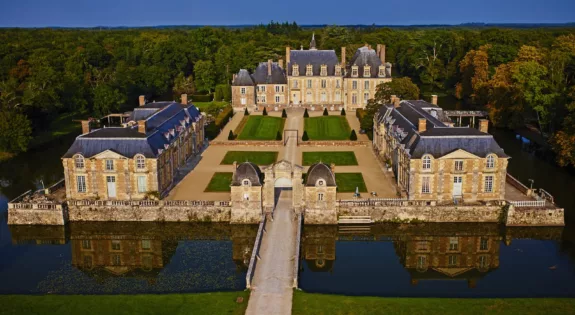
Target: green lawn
335	157
346	182
260	128
220	182
327	128
315	304
258	157
199	303
203	105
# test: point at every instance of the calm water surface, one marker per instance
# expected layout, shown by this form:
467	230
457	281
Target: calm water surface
383	260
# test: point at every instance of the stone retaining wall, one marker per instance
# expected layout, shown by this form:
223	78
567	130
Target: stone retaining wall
57	216
254	143
342	143
535	217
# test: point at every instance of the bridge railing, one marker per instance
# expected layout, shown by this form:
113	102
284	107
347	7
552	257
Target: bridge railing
149	203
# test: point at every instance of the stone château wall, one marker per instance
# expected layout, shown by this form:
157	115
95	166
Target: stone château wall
535	216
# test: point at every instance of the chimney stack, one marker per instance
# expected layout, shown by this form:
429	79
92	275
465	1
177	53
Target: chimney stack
269	67
396	101
343	57
378	49
392	99
484	125
85	126
287	56
142	126
142	99
234	77
382	53
422	125
434	99
332	167
185	99
281	63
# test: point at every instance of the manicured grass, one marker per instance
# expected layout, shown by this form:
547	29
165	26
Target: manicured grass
199	303
203	105
327	128
220	182
335	157
258	157
312	304
260	128
346	182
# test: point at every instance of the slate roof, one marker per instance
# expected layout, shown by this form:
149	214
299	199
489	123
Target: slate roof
438	139
278	76
316	58
247	170
243	78
364	56
173	118
320	171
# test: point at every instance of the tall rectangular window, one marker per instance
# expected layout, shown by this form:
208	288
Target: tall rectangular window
366	85
354	98
81	182
263	88
320	196
277	99
324	83
337	84
459	165
453	243
365	97
452	260
309	84
86	244
142	184
489	183
277	88
295	84
243	91
483	244
116	245
354	84
109	165
425	189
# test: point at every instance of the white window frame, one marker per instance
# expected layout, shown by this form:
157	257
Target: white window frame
109	165
140	162
354	84
309	70
323	83
309	84
79	162
354	71
483	241
277	88
366	85
243	91
426	162
141	183
454	243
81	184
490	163
488	184
458	165
425	185
354	98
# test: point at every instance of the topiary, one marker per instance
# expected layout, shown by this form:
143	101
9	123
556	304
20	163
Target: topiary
343	111
231	135
284	114
265	113
304	137
305	114
353	136
246	113
325	113
278	135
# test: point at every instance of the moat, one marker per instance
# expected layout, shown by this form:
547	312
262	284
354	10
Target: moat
380	259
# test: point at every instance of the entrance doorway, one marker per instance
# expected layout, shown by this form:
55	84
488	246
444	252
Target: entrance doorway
457	186
111	185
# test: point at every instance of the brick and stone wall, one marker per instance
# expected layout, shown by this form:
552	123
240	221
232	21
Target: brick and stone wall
535	216
56	216
360	90
249	97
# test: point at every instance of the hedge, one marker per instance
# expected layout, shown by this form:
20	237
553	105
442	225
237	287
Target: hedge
202	98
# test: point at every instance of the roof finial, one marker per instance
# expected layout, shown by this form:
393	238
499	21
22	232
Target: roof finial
312	43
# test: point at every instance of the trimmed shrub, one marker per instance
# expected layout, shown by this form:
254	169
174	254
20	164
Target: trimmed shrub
231	135
224	116
305	136
353	136
246	113
305	114
284	114
343	111
202	98
278	135
265	113
325	113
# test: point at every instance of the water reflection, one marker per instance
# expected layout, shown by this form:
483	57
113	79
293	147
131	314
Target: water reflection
435	260
126	258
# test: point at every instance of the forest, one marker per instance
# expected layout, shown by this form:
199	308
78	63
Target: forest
520	76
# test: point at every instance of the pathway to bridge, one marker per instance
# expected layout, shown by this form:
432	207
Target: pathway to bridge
272	286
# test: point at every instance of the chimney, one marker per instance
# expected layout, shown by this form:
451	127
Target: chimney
85	126
343	57
382	54
378	49
142	100
185	99
396	101
234	77
434	99
142	126
422	125
332	167
281	63
484	125
392	99
269	67
287	56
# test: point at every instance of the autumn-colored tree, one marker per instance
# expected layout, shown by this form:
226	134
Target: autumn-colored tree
474	69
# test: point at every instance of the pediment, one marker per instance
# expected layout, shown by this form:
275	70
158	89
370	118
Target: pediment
452	272
108	154
459	154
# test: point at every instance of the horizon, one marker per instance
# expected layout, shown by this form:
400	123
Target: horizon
393	13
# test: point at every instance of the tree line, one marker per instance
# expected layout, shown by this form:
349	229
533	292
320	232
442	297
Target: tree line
520	75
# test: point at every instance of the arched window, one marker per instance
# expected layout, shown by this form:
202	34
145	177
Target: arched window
246	182
426	162
140	162
79	161
490	161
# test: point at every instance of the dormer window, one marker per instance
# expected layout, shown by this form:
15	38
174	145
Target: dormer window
366	71
381	72
321	182
79	161
295	70
309	70
140	162
354	71
338	70
173	132
323	70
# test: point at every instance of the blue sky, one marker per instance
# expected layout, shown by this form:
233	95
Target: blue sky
86	13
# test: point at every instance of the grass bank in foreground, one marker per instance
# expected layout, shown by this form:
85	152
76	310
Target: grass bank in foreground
311	304
199	303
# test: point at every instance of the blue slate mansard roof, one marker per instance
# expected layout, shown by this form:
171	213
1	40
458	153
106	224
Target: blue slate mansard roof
261	76
163	127
316	58
243	78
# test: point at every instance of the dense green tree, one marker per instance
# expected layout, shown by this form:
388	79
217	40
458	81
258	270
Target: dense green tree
15	131
205	75
107	100
184	85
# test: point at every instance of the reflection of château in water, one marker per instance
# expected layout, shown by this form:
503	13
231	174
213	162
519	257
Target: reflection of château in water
134	249
430	251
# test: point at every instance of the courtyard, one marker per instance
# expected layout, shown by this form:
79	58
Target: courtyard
327	128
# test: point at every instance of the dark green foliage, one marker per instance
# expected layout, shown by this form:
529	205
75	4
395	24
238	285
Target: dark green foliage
305	114
223	92
284	114
201	98
353	136
305	136
231	135
278	135
343	111
265	113
325	113
15	131
246	113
